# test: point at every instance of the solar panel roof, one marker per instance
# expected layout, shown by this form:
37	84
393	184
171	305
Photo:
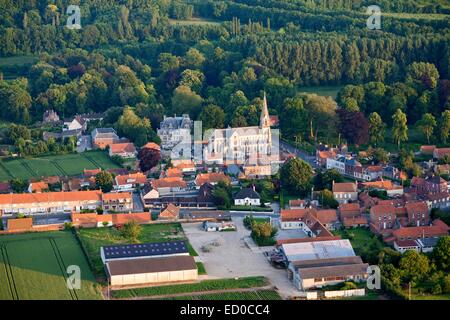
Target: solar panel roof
145	249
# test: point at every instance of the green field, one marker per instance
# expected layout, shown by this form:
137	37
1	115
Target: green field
94	239
60	165
242	295
203	286
326	91
33	267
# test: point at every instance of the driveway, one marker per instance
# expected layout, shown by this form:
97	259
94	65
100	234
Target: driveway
138	206
233	254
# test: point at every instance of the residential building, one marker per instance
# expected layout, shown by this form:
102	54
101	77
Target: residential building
38	187
174	130
50	116
247	197
328	218
418	213
104	137
297	204
391	189
123	150
61	136
404	245
429	185
51	202
414	233
129	182
438	200
440	153
167	186
92	220
427	150
345	192
120	202
171	212
151	145
212	178
77	123
306	220
383	217
210	226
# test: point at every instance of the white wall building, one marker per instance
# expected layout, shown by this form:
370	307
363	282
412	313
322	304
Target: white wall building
174	130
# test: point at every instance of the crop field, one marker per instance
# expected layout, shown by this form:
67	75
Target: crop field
238	295
94	239
203	286
61	165
33	267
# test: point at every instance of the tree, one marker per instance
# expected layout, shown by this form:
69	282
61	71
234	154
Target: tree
19	185
414	265
184	100
424	74
354	126
194	59
193	79
441	254
222	195
327	199
131	231
296	175
379	155
324	180
104	181
445	126
399	128
212	117
426	125
376	129
148	158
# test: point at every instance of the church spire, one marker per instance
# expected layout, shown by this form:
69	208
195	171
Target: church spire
265	119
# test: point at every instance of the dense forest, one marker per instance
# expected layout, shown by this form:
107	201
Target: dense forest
132	59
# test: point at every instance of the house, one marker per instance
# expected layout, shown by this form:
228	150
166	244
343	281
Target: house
103	137
297	204
38	187
328	218
257	171
171	212
247	197
405	245
173	172
345	192
49	202
429	185
427	150
151	145
382	217
50	116
174	130
304	219
92	220
349	210
61	136
427	244
414	233
89	173
438	200
212	178
169	185
391	189
123	150
418	213
129	182
323	155
374	172
442	169
117	202
187	168
77	123
355	222
440	153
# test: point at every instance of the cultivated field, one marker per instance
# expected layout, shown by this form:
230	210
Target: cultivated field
238	295
61	165
33	267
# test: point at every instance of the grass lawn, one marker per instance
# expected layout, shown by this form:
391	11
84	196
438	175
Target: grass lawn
95	238
326	91
361	239
285	197
248	208
261	220
206	285
61	165
194	22
243	295
201	268
33	267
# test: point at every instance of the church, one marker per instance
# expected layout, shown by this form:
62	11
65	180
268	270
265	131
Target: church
245	145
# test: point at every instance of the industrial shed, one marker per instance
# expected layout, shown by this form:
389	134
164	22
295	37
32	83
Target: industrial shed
151	271
143	250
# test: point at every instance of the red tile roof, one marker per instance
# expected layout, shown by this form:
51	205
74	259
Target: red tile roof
38	186
151	145
353	221
133	178
50	197
213	177
117	196
173	182
122	148
419	232
382	210
349	207
326	216
344	187
171	211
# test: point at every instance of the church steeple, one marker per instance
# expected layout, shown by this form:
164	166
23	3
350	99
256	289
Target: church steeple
264	121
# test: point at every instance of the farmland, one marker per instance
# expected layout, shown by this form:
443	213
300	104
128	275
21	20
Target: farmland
33	267
238	295
61	165
203	286
93	239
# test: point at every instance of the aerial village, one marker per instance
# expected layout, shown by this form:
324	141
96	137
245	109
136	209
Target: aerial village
237	220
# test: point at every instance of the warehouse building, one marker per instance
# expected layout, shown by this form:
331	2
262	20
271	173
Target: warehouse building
151	270
143	250
317	250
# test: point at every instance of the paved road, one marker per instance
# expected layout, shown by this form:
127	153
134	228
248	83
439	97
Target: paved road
299	153
40	219
138	206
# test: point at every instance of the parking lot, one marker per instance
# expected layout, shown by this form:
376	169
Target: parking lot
233	254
